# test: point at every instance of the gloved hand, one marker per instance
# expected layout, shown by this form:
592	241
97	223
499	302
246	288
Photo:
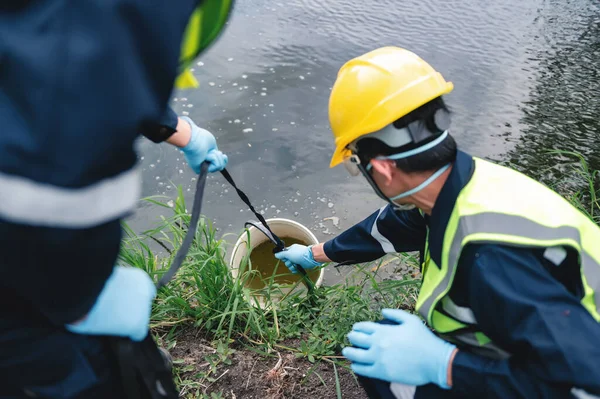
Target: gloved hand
407	353
123	306
298	255
203	147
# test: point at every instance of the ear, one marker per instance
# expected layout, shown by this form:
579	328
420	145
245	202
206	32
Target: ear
386	168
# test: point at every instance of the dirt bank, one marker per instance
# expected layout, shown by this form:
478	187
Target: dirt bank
214	371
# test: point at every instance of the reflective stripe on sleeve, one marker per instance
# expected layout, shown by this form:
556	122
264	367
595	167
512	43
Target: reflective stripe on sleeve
28	202
386	245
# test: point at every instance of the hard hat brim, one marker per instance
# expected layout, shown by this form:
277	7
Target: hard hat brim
338	156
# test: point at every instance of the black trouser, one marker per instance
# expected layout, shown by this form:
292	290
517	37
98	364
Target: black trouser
58	364
70	366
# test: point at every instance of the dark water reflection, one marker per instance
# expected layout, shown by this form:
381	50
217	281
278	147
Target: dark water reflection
563	110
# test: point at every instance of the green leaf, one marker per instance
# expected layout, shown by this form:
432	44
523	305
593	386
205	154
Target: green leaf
338	388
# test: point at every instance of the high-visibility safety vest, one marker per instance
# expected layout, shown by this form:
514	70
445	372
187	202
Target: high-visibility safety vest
205	24
500	205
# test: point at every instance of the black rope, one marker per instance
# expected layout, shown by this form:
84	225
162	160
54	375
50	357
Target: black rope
141	361
191	233
279	245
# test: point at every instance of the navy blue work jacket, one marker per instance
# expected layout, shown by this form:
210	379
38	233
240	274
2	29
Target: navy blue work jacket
517	296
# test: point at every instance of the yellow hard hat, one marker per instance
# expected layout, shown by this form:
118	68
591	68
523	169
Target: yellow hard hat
377	88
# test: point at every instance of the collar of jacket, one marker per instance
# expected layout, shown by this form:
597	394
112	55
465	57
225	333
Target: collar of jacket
461	173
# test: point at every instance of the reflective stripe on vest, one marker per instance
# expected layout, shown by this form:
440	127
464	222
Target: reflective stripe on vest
28	202
510	225
460	313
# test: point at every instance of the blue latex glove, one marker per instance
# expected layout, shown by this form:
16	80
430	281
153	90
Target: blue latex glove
406	353
123	306
203	147
298	255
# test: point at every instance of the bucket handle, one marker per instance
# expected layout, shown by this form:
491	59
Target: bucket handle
196	209
280	246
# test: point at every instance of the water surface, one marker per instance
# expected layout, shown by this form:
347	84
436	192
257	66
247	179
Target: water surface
526	77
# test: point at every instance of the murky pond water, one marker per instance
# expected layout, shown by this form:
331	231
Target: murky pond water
270	269
526	76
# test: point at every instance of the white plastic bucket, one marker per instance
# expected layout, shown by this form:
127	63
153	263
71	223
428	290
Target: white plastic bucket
282	228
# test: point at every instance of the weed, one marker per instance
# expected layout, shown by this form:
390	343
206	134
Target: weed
338	389
206	295
584	190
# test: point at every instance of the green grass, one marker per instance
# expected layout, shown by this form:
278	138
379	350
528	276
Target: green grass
204	293
195	385
582	187
205	296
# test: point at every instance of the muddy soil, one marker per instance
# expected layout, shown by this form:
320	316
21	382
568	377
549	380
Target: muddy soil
258	376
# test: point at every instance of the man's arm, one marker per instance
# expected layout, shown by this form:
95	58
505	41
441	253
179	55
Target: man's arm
171	129
182	135
385	231
198	145
521	307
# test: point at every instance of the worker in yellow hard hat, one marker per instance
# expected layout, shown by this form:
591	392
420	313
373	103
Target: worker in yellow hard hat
511	270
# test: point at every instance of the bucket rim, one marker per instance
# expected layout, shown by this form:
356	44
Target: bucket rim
241	241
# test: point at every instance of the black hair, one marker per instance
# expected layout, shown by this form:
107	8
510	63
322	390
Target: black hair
432	159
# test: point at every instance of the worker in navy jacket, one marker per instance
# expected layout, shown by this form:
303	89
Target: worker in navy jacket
79	82
510	270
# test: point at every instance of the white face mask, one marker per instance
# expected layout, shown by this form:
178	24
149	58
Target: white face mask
407	207
353	165
421	186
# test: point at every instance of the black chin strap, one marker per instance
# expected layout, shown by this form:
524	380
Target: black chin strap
374	186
